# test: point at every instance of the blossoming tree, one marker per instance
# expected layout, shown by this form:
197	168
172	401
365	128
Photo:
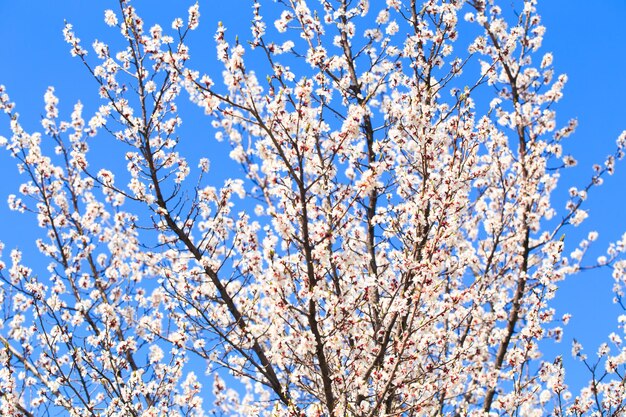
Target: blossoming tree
388	247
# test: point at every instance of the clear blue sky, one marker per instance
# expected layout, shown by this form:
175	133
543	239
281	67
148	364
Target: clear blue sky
588	40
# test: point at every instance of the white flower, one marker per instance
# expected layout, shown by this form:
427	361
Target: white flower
156	354
194	16
579	217
392	28
547	60
204	165
110	18
177	23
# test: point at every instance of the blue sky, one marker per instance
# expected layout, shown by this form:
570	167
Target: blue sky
588	40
